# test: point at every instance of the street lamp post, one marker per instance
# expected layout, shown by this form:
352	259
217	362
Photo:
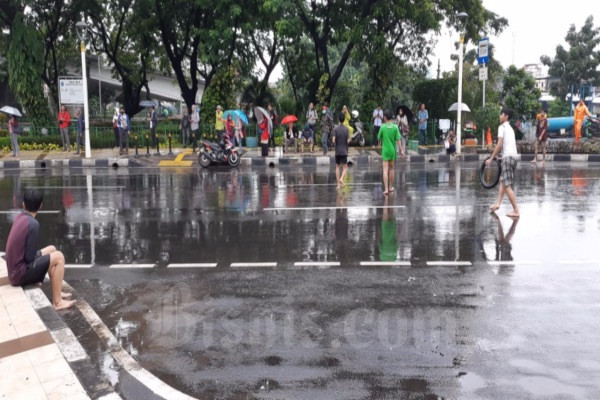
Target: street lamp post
462	17
82	34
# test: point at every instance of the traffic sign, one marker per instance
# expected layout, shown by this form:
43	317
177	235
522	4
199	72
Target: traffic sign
483	53
483	73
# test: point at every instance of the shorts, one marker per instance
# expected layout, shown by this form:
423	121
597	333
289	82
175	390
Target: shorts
36	271
341	160
509	164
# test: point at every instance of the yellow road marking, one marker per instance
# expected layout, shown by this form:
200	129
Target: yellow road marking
178	162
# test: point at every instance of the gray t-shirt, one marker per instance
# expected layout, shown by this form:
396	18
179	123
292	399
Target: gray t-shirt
340	133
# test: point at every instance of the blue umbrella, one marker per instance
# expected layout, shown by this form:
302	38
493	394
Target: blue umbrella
233	114
242	116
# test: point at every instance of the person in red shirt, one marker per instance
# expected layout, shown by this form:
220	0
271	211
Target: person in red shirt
63	123
264	137
25	263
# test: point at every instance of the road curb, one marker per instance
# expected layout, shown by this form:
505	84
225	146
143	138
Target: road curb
362	159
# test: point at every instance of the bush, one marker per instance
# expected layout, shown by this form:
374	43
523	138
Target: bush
591	146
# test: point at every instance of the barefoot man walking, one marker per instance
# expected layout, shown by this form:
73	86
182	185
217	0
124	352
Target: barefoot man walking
508	145
26	264
389	137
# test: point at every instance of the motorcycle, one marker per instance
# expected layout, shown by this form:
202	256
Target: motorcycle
218	153
358	137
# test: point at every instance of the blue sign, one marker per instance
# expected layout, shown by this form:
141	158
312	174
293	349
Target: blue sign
483	51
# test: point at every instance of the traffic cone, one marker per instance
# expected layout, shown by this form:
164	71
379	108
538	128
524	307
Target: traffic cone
488	137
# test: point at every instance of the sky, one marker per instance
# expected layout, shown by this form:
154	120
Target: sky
535	28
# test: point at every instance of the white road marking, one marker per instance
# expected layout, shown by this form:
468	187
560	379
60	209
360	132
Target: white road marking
327	208
78	266
124	266
197	265
254	264
39	212
329	184
384	263
74	187
579	262
449	263
513	262
317	264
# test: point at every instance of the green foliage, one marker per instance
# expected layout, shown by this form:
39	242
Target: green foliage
438	95
222	91
558	108
519	93
577	63
25	68
323	94
487	117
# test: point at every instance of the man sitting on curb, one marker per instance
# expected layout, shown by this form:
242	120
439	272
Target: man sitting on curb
28	266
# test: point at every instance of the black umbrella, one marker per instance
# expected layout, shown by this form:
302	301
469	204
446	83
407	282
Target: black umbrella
406	111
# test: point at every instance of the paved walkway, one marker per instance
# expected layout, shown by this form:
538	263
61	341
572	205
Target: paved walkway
31	364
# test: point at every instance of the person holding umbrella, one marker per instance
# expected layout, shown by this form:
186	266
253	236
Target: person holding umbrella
14	130
291	133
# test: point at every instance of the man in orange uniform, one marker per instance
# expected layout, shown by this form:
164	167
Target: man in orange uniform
581	111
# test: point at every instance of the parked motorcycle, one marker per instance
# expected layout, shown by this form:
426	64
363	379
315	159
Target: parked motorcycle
211	152
358	137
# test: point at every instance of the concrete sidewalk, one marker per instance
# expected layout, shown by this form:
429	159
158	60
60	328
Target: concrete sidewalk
250	157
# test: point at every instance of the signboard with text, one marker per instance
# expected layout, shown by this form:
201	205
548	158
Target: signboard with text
483	73
70	90
483	51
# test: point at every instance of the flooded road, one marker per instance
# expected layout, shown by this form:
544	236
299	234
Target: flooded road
271	284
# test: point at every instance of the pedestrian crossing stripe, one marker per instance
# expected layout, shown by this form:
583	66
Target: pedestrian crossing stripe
178	162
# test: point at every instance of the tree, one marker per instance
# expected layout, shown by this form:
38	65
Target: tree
55	20
578	64
199	38
126	37
220	92
402	25
24	70
519	93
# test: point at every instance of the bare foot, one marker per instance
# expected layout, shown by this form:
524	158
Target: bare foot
64	295
533	161
392	190
342	182
385	193
64	304
512	214
494	207
338	187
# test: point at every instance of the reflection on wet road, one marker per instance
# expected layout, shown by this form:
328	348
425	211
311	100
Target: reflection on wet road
271	284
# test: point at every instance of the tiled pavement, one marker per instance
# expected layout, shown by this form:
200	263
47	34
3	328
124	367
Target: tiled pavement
32	365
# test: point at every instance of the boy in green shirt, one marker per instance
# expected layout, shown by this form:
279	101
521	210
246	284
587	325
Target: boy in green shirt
389	137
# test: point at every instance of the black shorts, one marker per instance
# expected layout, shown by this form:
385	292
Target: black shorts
341	160
36	271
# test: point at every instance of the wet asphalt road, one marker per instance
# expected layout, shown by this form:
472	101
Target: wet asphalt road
515	318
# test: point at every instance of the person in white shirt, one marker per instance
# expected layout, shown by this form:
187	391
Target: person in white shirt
377	118
508	144
194	125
